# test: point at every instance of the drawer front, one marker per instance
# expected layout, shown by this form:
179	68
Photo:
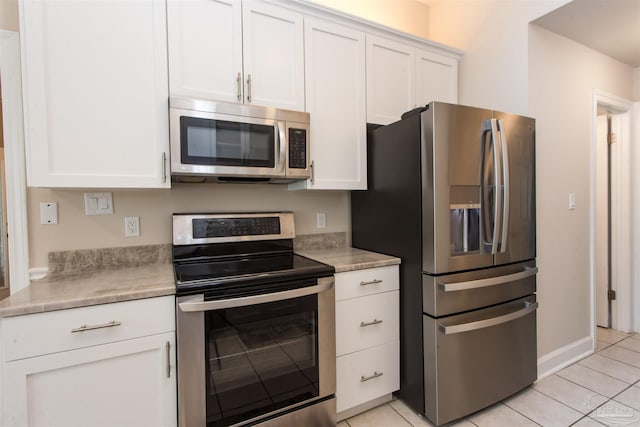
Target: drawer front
358	283
359	378
45	333
366	322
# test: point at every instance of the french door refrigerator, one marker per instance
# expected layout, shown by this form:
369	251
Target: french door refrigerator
451	191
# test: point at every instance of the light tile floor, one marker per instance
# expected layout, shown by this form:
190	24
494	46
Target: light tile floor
602	389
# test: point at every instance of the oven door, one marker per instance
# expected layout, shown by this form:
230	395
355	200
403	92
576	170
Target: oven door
223	145
243	359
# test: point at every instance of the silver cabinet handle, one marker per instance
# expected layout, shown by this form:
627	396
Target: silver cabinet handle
239	88
164	167
249	88
491	281
374	322
168	348
376	374
312	171
481	324
85	328
324	284
371	282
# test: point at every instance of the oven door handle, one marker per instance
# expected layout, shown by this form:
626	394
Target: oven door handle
324	284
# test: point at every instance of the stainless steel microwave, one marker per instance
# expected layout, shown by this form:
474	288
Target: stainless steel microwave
217	141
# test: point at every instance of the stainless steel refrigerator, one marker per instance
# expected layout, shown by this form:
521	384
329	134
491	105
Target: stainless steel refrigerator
451	191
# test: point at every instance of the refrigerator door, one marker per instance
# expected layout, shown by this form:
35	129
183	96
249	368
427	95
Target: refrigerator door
476	359
456	226
517	236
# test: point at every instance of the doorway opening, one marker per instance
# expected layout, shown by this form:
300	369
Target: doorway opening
611	213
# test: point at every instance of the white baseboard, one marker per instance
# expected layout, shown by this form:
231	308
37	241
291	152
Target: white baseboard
558	359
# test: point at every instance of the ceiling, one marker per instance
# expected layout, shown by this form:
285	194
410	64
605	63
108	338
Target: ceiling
611	27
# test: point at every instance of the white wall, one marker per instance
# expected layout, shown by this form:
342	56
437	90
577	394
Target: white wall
562	76
493	72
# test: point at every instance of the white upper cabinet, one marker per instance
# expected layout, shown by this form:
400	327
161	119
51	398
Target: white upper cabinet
401	77
391	71
335	93
95	93
436	78
246	52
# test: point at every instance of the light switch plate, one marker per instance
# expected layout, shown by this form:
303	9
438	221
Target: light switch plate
98	203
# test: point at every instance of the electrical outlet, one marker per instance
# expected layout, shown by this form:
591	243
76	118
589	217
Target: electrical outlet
132	226
321	220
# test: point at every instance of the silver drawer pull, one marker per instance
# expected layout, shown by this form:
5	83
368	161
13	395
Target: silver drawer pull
376	374
374	322
84	328
372	282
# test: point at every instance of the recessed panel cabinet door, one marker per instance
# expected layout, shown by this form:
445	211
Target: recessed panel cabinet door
125	383
335	96
436	78
205	49
390	80
273	56
95	87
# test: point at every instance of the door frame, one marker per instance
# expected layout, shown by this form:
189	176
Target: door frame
620	214
12	119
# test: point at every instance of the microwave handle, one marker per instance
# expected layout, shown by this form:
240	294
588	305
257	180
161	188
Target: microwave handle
281	147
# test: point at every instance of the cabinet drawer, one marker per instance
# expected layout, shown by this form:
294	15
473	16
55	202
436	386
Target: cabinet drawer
366	322
351	284
358	375
44	333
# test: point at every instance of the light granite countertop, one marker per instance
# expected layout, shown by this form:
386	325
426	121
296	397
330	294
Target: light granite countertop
349	259
80	289
64	290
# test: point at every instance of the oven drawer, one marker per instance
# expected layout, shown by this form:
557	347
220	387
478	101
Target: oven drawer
476	359
358	283
366	322
367	375
55	331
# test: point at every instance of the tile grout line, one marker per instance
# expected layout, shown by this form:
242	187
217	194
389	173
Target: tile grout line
401	416
504	402
562	403
585	387
600	372
620	361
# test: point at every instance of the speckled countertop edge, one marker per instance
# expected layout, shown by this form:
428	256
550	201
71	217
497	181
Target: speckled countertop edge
63	291
349	259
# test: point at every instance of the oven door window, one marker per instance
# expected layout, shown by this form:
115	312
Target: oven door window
260	358
226	143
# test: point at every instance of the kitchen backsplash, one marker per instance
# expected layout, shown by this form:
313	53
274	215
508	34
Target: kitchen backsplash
75	230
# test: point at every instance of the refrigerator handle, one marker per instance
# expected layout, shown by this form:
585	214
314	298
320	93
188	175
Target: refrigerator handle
506	190
490	281
529	307
492	127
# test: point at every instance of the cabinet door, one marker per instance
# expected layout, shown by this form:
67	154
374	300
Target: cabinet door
205	49
335	67
390	80
436	78
126	383
273	56
95	85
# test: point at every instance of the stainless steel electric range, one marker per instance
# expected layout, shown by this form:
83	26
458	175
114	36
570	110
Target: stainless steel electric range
255	324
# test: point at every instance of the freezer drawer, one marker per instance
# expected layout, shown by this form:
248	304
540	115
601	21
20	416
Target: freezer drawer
455	293
476	359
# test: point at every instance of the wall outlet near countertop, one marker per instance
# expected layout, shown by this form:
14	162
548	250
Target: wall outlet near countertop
132	226
321	220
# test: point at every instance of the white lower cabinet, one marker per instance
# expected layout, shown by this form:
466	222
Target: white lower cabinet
114	379
367	337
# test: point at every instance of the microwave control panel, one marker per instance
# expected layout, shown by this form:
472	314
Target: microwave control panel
297	148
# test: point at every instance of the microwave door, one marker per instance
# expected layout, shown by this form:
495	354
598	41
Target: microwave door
454	210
